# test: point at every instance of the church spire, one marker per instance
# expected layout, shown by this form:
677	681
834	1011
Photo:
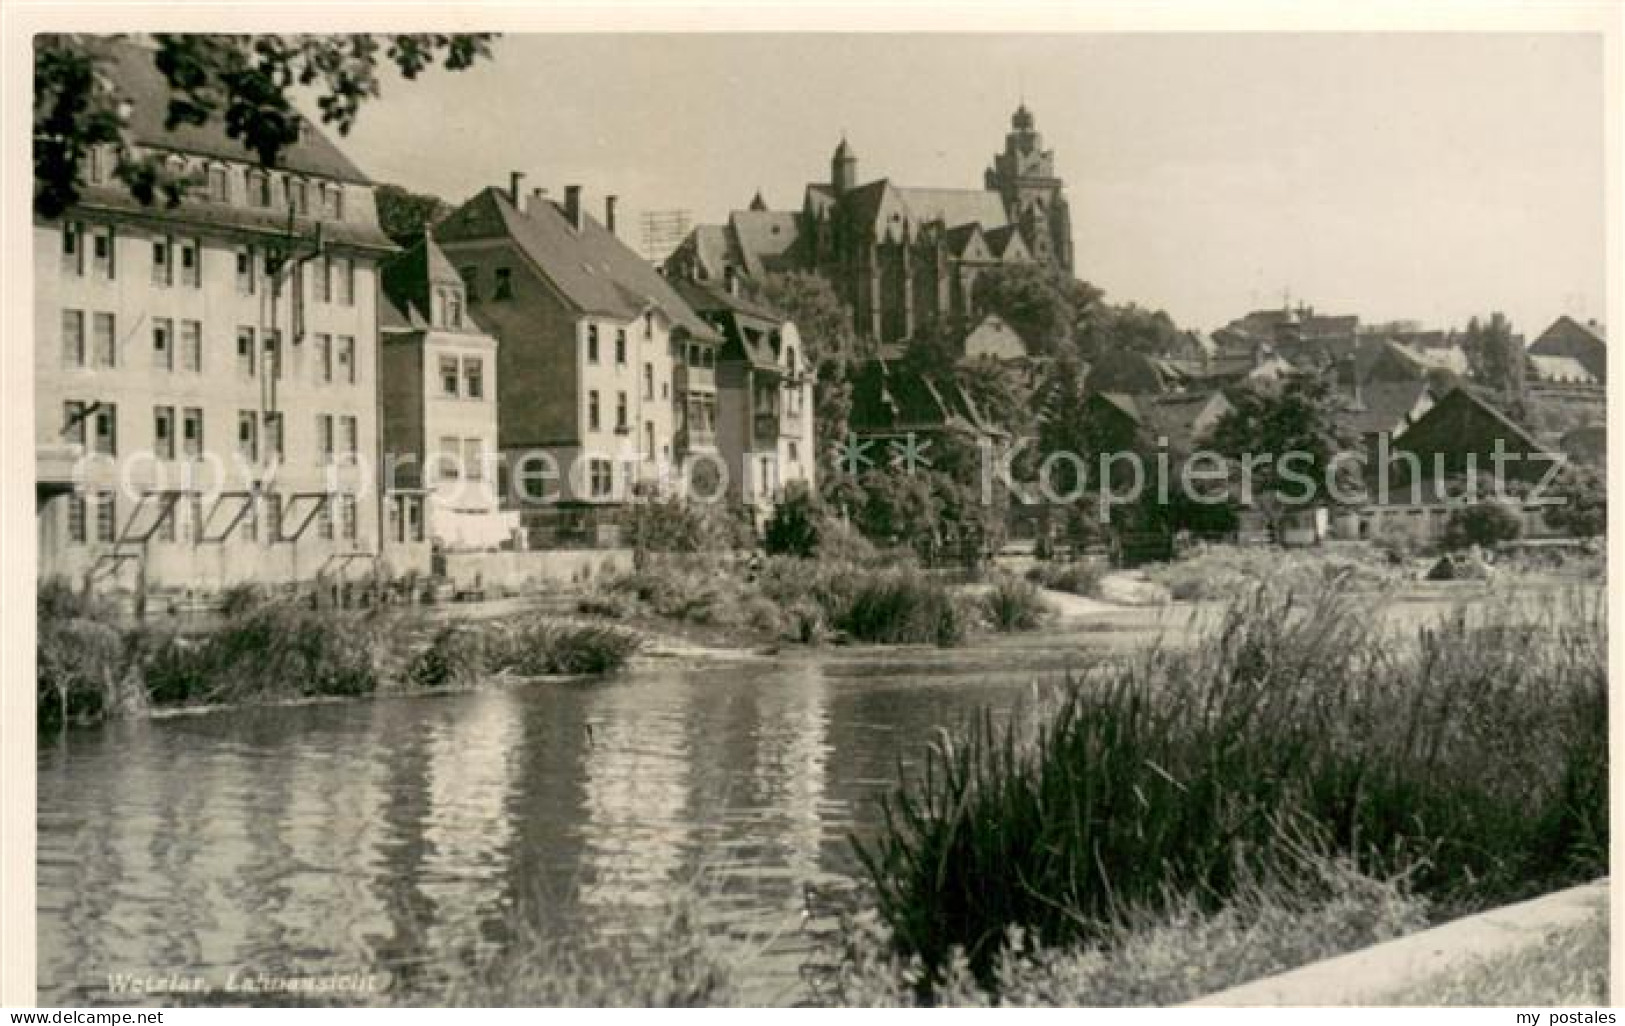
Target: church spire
757	202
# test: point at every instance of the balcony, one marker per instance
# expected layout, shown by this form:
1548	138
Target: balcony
696	440
54	467
686	378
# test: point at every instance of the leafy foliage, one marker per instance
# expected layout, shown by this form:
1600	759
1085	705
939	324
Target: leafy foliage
1483	523
1584	513
403	214
243	81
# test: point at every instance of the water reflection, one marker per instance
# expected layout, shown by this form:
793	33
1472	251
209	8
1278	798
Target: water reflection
410	835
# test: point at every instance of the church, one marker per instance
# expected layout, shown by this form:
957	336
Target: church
900	256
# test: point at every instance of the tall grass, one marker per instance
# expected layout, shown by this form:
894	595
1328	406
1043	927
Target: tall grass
1013	604
1470	756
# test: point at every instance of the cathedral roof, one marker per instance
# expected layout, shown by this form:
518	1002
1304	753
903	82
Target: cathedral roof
763	238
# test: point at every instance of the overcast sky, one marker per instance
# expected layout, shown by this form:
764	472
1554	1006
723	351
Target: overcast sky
1395	176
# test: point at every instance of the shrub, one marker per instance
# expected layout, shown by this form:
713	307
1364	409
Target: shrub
899	607
797	523
542	647
1075	578
1013	605
455	655
1485	524
1474	759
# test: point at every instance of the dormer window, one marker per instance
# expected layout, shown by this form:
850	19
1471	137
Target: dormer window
259	189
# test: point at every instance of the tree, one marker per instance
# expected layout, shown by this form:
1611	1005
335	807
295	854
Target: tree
1483	523
1033	300
1584	512
403	215
1296	418
245	81
1495	356
798	523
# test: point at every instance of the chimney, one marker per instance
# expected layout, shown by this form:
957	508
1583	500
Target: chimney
538	196
514	178
572	205
609	213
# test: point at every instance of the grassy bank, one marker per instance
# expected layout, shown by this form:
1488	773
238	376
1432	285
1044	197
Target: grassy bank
810	601
1469	764
91	665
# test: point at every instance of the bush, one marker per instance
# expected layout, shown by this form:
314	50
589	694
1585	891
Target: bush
1013	605
1474	759
1485	524
455	655
542	647
797	523
1073	578
900	607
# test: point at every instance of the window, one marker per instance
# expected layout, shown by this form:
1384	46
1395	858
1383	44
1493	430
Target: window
73	422
219	185
448	376
324	281
414	519
620	346
259	189
73	248
324	520
349	432
107	517
163	339
76	519
649	439
102	252
104	440
504	284
649	324
163	432
272	342
324	357
620	412
192	432
299	196
273	518
347	358
191	263
245	351
451	455
324	437
274	443
471	278
648	381
105	352
473	449
73	338
191	344
592	343
592	410
248	435
452	306
163	266
474	377
795	453
347	517
346	271
603	480
245	270
333	202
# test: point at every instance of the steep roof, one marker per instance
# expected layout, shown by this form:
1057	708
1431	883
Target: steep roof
592	268
890	398
955	206
408	278
134	74
1384	406
746	327
763	238
1566	369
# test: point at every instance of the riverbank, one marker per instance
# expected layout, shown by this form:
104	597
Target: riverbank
93	666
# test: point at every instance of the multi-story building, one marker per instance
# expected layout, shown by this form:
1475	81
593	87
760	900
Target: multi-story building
205	374
901	257
589	341
749	402
439	403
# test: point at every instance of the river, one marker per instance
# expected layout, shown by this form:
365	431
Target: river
396	836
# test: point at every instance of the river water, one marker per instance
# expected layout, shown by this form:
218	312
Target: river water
404	836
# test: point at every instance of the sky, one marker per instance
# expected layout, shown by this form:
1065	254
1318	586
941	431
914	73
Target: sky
1428	177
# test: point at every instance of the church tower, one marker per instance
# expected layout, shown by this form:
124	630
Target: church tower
1034	198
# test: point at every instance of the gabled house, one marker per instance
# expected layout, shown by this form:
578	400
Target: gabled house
589	338
750	401
994	338
1586	344
439	385
892	400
